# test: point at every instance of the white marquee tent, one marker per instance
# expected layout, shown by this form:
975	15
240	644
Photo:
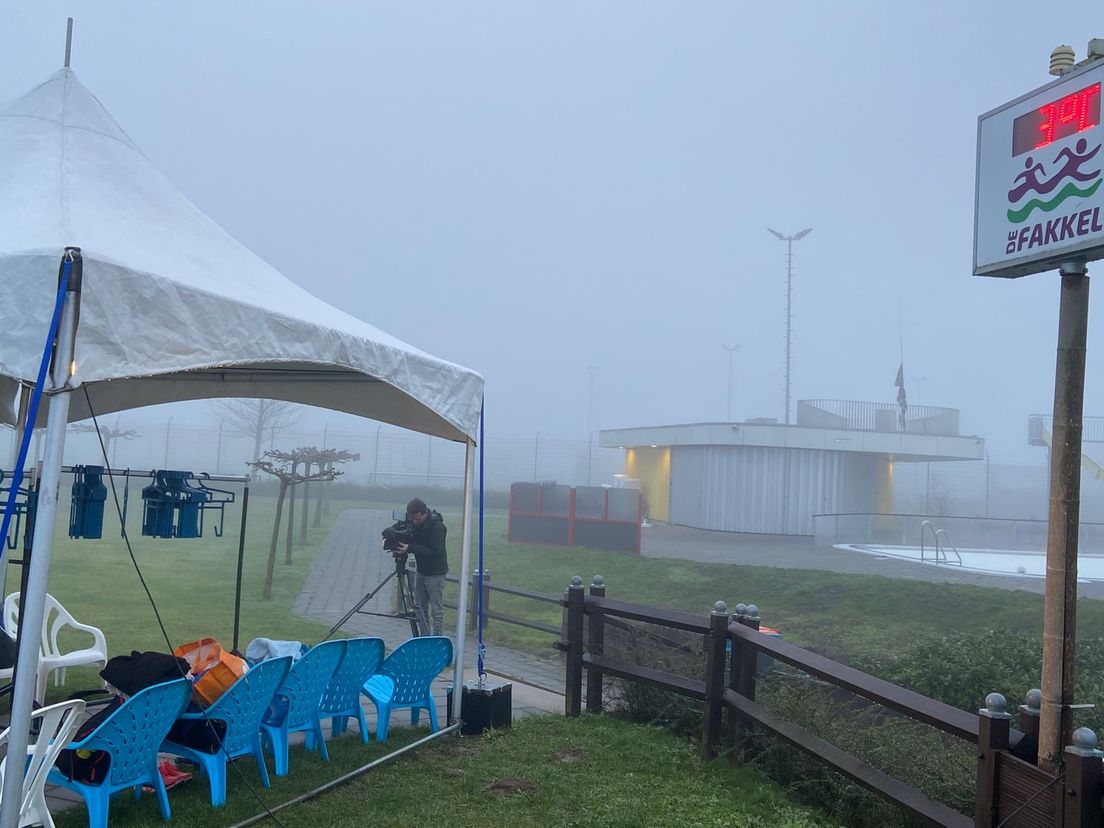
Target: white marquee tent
171	308
174	308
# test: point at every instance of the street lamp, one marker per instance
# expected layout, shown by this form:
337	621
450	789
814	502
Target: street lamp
731	350
789	240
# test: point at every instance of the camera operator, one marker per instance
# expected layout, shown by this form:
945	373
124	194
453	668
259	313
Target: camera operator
428	549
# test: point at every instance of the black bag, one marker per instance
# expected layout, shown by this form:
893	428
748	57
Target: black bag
137	671
204	735
7	651
88	765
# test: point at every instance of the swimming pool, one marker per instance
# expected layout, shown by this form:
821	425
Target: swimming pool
987	561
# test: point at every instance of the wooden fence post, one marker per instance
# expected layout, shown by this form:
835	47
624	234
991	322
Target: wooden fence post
573	673
1029	717
1083	781
994	723
596	636
714	679
741	677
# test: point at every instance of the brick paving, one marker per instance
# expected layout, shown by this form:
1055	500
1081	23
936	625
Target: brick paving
352	564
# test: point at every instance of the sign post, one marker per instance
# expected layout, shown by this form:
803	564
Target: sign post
1038	206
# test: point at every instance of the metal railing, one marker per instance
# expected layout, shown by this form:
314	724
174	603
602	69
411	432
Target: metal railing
853	415
938	538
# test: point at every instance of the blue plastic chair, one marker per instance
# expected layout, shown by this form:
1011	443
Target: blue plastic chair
131	735
404	680
342	698
298	700
240	708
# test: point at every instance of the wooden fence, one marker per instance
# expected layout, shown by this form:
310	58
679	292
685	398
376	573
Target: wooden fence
1010	792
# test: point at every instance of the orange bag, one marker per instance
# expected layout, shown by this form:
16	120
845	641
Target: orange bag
214	669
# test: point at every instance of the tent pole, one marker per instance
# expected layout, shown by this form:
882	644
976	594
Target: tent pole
241	561
32	603
465	576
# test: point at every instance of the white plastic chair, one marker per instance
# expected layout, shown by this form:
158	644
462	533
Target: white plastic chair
51	658
59	723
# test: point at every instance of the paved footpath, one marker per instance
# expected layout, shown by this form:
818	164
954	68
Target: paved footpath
353	563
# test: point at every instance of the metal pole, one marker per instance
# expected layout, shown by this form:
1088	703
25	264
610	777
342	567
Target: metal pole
218	448
1060	608
168	433
375	457
465	577
789	318
68	41
241	561
536	450
32	600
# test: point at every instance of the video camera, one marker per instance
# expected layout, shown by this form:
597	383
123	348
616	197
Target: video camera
402	531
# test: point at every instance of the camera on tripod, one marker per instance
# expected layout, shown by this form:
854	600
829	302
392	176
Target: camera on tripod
401	532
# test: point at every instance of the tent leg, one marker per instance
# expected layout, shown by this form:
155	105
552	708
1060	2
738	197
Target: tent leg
32	603
465	574
241	561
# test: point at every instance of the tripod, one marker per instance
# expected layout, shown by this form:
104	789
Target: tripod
409	608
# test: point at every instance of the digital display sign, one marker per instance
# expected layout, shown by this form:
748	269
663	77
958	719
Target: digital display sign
1039	195
1056	120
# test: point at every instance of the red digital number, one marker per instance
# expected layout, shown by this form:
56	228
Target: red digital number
1066	116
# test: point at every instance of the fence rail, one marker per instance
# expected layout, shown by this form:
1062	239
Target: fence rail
732	647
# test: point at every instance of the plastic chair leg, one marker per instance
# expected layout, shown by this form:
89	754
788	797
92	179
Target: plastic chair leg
278	739
338	724
97	801
363	724
258	756
383	714
160	792
216	773
321	740
414	715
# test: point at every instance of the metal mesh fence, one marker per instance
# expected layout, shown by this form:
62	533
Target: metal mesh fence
388	456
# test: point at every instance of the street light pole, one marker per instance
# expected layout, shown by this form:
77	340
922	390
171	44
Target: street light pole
731	350
789	240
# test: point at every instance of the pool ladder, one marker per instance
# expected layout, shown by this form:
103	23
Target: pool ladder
942	544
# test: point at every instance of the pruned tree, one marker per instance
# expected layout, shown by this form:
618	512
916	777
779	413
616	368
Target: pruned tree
324	459
107	433
284	467
256	418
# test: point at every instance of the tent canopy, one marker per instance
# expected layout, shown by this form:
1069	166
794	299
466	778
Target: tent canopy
173	307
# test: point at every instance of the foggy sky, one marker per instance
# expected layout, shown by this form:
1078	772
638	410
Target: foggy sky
530	189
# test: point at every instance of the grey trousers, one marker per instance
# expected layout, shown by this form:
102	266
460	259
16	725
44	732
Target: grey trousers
429	593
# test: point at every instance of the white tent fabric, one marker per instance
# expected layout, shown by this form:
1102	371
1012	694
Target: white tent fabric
173	307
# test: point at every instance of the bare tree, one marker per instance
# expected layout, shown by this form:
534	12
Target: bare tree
324	459
107	434
258	418
282	465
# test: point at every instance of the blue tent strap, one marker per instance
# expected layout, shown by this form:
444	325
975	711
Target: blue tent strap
72	254
482	648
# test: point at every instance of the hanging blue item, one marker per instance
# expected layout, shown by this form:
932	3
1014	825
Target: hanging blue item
86	511
20	509
173	507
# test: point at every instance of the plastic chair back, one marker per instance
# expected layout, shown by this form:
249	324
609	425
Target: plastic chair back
413	666
58	724
134	732
243	705
362	659
306	681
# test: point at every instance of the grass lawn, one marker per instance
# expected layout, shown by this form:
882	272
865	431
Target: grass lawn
192	582
842	616
545	771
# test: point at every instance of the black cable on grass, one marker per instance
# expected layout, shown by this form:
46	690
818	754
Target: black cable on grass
156	612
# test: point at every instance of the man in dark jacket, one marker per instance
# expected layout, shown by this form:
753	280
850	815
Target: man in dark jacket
428	549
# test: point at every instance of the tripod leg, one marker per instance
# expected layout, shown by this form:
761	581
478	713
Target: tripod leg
409	605
419	610
368	597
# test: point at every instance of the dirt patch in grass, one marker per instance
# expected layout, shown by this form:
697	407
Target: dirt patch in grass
573	754
510	785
